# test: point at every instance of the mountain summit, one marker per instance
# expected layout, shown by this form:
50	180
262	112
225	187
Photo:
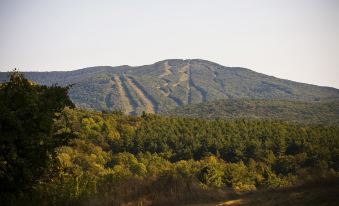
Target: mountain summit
174	82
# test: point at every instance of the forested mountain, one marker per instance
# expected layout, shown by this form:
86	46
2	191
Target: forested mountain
295	111
170	83
55	154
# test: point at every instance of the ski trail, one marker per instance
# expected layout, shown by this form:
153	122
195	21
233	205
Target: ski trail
167	70
124	98
149	105
201	92
183	75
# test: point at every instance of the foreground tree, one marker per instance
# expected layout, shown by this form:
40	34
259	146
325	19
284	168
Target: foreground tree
27	141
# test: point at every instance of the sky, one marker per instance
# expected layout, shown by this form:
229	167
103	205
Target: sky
290	39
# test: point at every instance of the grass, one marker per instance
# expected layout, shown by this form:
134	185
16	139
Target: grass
324	192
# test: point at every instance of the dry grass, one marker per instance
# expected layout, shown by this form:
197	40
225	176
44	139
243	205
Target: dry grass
320	192
166	190
173	190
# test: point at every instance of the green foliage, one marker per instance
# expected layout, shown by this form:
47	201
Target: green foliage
211	175
113	149
27	135
238	176
293	111
128	164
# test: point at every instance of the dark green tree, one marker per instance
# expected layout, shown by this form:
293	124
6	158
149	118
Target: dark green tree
27	140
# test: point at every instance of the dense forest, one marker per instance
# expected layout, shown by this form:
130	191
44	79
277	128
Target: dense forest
55	154
293	111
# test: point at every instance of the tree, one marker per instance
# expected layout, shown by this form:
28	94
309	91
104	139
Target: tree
27	141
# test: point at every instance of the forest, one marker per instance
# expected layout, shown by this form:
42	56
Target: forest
326	112
55	154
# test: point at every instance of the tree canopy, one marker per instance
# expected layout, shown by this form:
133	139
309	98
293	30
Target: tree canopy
27	140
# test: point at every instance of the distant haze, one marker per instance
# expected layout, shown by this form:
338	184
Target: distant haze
291	39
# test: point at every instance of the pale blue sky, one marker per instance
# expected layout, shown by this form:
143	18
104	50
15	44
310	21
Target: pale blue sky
291	39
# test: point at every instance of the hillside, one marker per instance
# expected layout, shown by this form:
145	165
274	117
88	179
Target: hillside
307	112
55	154
170	83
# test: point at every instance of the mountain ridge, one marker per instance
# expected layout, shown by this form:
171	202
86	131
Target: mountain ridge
169	83
108	67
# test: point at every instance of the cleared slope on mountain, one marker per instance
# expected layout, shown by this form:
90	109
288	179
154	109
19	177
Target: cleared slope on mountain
175	82
143	96
127	106
307	112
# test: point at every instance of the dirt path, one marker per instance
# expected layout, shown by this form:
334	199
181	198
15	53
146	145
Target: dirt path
124	99
228	202
150	108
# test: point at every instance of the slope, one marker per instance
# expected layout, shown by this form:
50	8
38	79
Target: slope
296	111
175	82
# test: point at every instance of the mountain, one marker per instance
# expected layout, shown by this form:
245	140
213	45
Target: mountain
166	84
294	111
